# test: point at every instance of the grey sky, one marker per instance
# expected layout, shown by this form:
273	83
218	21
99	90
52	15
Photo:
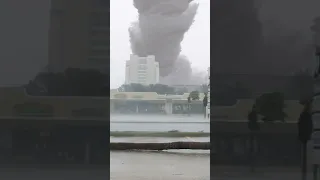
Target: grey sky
196	44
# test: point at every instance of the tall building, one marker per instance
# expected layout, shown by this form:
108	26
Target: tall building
79	34
142	70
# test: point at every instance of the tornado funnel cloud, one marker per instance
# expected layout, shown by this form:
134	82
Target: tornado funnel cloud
159	31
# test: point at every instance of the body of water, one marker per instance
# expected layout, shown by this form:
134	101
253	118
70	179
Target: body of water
159	123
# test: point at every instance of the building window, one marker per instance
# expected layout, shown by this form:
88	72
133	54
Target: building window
142	79
142	76
142	61
142	71
142	67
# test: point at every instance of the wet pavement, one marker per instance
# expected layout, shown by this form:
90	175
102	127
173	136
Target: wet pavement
149	165
159	166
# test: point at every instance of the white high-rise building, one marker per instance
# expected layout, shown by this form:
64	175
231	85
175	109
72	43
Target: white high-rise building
142	70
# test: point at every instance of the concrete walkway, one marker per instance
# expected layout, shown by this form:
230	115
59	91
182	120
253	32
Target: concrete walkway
159	166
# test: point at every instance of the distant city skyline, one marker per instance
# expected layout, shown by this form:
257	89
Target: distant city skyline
196	44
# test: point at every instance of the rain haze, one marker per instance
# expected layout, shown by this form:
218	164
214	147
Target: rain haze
195	52
177	33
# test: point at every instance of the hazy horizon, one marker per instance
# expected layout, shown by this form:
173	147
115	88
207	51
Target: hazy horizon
120	50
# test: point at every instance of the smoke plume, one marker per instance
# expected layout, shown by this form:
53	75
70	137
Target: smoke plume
160	30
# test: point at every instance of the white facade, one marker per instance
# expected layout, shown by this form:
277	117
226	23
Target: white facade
142	70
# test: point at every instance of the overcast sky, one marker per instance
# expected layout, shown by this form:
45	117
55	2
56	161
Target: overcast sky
196	44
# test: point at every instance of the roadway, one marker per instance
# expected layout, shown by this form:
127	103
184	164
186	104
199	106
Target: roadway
158	166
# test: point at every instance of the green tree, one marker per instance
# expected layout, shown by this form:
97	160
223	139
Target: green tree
162	89
194	95
73	82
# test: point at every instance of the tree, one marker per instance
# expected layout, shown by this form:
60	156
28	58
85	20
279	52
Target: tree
194	95
205	100
305	128
271	105
162	89
205	103
73	82
158	88
139	87
182	91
